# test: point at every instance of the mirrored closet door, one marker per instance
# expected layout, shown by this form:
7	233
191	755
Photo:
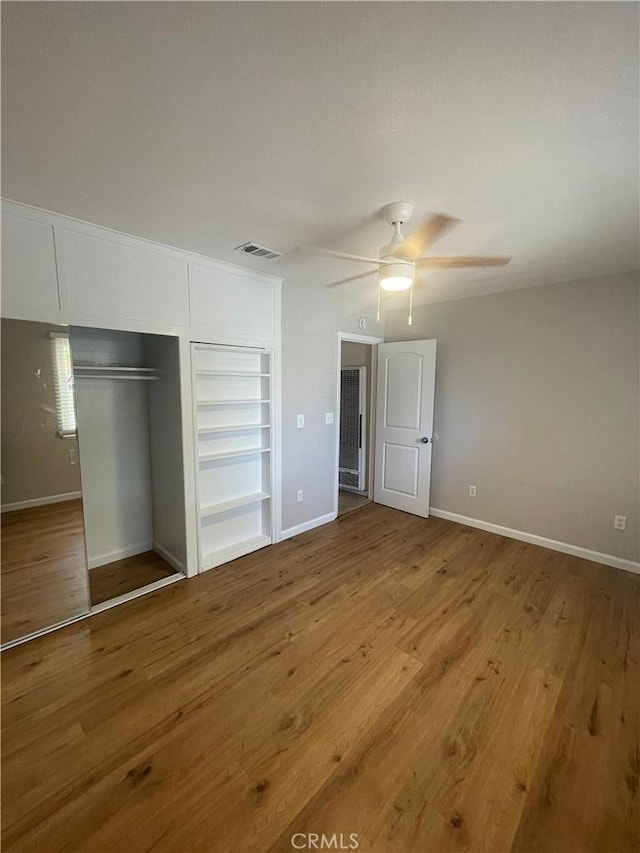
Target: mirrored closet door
44	576
93	507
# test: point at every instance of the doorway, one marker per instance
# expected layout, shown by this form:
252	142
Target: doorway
355	419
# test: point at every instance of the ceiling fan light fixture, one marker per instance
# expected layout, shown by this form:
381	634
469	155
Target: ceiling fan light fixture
397	276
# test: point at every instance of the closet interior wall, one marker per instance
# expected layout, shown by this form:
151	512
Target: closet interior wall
130	444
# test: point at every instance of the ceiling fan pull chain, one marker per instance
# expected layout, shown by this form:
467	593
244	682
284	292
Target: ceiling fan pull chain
379	290
410	320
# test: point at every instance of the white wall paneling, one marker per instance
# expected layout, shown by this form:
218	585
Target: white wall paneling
106	277
234	307
60	269
29	275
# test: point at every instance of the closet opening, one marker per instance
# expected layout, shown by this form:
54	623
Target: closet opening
128	408
355	425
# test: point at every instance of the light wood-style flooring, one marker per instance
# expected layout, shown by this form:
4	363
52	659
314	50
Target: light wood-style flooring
123	576
44	575
427	686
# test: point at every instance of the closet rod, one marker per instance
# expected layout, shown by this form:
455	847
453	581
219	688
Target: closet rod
138	377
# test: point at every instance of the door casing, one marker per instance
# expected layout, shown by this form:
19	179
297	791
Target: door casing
358	339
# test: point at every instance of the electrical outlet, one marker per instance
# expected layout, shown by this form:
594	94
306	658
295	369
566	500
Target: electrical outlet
300	421
620	522
300	496
473	491
73	456
328	417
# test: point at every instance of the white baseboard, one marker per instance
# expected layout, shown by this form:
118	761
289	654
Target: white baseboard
307	525
169	557
47	499
103	559
213	559
534	539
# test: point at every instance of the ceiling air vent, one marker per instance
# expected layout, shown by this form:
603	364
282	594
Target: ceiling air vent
258	251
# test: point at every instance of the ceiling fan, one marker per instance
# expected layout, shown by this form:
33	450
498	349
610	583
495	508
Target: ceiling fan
402	257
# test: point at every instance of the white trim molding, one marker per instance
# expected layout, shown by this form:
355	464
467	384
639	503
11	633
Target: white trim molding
98	608
308	525
47	499
136	593
542	541
169	557
122	554
372	341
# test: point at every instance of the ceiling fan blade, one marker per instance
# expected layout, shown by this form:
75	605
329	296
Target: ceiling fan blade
343	255
433	228
458	263
352	278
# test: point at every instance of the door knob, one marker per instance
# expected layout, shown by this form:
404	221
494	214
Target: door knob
425	440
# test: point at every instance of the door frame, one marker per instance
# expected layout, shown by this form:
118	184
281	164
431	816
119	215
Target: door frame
364	449
356	339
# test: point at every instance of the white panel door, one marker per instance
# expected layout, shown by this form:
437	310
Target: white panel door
404	423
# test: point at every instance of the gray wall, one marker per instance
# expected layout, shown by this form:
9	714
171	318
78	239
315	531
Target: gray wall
35	462
311	320
537	404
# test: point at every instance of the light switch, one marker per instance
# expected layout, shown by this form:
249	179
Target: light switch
300	421
328	417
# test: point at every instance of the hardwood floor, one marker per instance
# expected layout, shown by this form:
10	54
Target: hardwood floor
44	576
348	501
427	686
122	576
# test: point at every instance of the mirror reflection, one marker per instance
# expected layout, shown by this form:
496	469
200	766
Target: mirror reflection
44	576
93	504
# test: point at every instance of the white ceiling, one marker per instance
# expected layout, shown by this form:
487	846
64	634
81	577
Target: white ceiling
204	125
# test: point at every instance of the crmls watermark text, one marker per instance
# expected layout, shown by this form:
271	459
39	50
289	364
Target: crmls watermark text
320	841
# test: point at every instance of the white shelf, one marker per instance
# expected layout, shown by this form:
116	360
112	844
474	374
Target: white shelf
210	559
229	402
114	368
230	373
232	428
230	454
225	506
99	371
224	377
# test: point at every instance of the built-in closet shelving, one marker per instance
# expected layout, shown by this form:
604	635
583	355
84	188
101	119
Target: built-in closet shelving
233	439
99	371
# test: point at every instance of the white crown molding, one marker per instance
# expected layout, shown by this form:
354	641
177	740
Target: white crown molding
18	208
